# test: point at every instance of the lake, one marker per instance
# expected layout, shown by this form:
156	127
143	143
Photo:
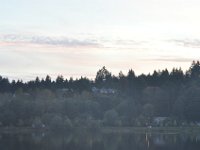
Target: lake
83	140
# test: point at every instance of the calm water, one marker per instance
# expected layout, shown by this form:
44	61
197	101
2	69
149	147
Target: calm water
91	141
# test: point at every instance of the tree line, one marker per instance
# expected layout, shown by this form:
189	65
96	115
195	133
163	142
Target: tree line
138	100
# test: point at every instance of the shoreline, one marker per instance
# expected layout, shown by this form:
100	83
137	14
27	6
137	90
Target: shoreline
142	130
164	130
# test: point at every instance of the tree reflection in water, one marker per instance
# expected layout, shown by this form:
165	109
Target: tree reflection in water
99	141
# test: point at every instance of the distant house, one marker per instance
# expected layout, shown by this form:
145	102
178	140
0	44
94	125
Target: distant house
95	90
111	91
159	120
198	124
103	90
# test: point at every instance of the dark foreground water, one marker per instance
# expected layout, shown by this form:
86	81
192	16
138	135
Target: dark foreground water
99	141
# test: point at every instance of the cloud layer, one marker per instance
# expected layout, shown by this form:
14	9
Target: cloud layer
193	43
172	59
49	41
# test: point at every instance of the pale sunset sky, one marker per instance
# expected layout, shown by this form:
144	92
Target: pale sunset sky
77	37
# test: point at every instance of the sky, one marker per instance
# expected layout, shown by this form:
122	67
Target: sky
76	38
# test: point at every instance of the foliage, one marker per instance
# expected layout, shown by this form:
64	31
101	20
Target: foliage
138	100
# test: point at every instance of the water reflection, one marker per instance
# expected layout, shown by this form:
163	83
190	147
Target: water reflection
99	141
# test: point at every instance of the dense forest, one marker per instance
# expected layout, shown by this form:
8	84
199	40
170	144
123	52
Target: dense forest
162	98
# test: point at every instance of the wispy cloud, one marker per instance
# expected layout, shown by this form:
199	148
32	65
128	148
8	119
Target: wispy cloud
123	44
47	40
170	59
193	43
130	42
68	42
